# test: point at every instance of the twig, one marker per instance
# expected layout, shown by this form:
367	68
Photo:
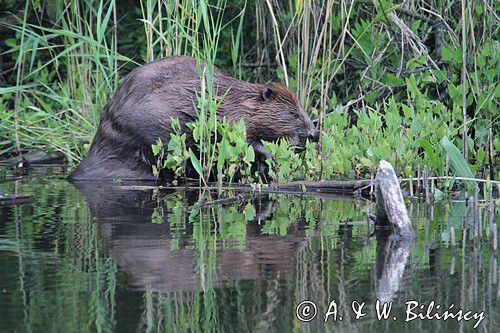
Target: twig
401	10
453	177
20	69
10	179
464	87
354	222
237	198
279	42
354	101
257	65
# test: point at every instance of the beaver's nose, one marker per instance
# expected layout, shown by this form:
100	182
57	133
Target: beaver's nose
314	136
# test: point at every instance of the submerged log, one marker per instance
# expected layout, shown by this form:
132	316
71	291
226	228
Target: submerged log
391	209
34	157
15	199
348	187
10	179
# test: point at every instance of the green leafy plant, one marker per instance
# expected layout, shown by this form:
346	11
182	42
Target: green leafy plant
175	156
232	155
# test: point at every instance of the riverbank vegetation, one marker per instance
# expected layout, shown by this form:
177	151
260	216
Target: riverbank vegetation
412	83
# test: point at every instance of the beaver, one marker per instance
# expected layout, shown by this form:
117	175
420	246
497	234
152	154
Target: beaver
150	96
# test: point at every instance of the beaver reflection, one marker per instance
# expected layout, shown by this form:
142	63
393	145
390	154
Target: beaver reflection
157	257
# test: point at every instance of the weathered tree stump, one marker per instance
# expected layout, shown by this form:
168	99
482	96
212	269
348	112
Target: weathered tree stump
391	209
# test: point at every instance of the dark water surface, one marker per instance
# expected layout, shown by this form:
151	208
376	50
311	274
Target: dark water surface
104	258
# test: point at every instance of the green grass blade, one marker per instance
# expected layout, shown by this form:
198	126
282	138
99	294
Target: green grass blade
15	88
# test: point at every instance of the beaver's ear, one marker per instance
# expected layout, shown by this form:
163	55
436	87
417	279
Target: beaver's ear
266	94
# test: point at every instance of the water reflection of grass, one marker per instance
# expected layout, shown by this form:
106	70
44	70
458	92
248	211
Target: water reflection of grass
56	264
61	271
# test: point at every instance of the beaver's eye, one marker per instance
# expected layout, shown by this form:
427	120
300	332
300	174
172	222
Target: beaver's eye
296	116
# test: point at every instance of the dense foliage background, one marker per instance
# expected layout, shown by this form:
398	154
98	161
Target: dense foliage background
383	79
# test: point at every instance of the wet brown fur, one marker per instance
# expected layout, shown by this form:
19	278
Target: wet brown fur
141	110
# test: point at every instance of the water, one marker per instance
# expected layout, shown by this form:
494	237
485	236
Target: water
109	258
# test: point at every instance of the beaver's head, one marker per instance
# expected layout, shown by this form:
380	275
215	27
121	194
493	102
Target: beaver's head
276	113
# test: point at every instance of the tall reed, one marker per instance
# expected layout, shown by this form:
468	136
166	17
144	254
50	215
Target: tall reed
65	76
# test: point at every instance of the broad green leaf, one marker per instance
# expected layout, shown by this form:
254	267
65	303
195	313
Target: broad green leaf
250	154
438	194
429	150
458	163
480	155
196	163
156	149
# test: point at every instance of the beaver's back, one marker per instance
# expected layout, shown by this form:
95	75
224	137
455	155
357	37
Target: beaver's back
141	110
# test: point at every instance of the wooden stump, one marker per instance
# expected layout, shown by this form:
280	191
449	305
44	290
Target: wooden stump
391	209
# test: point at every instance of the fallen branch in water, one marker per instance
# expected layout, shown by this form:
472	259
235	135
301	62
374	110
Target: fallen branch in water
346	187
15	199
234	199
34	157
10	179
340	187
349	187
